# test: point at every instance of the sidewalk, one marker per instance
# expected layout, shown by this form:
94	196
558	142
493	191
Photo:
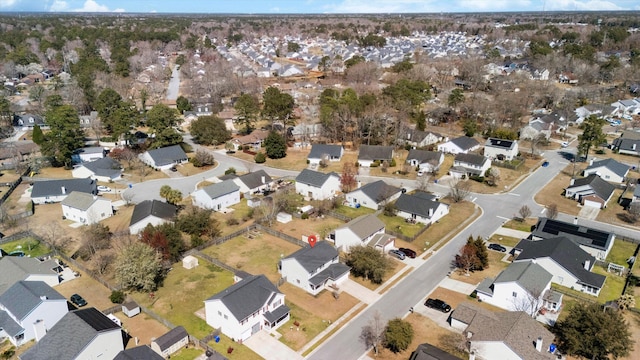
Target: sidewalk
511	232
269	347
457	286
360	292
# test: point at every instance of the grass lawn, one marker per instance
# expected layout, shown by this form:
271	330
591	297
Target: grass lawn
30	246
496	265
458	214
187	354
396	266
445	166
120	220
255	256
298	227
521	225
614	213
398	224
621	251
504	240
240	212
296	159
240	352
552	192
314	313
187	169
183	293
353	212
508	178
613	286
455	298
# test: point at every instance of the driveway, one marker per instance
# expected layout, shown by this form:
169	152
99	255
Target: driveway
268	347
589	212
359	292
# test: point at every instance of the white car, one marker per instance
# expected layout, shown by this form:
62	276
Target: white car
421	172
103	188
564	144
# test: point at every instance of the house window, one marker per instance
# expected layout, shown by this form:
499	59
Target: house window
226	317
219	313
514	294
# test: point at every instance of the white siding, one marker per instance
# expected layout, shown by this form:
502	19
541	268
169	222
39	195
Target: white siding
98	211
140	225
605	174
328	190
490	350
493	152
345	238
104	346
202	199
503	296
450	148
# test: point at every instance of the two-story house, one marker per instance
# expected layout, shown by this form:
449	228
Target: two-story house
316	185
501	149
86	208
469	164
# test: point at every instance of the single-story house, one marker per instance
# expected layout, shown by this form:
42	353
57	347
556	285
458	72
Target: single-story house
171	342
28	120
89	154
86	208
152	212
373	195
628	146
425	160
80	334
247	307
501	149
217	196
417	138
421	207
569	265
627	106
535	129
323	151
314	268
469	164
142	352
590	191
463	144
369	153
253	140
429	352
596	242
51	191
359	231
164	158
608	169
316	185
254	182
105	170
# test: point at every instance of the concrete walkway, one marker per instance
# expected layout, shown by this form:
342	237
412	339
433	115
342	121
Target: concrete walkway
511	232
589	212
457	286
268	347
359	292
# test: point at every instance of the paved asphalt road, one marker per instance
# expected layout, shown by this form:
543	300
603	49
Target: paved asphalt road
174	84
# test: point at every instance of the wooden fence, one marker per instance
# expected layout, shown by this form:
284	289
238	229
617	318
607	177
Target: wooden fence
13	186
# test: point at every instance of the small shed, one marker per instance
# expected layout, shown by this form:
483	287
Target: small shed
189	262
253	202
131	308
169	343
284	217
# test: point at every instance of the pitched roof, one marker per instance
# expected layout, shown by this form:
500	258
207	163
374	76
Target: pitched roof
81	201
616	167
314	178
167	155
378	190
424	156
628	144
142	352
254	179
500	143
24	296
15	268
69	336
473	159
54	187
333	271
222	188
600	187
531	276
375	152
247	296
465	142
419	203
579	234
320	150
365	225
429	352
565	253
171	337
104	167
155	208
312	258
9	325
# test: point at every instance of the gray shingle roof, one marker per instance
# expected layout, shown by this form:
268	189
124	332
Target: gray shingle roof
54	187
247	296
473	159
600	187
171	337
333	271
14	269
424	156
142	352
429	352
79	200
311	258
531	276
8	325
579	234
107	167
254	179
616	167
565	253
153	207
314	178
465	142
167	155
379	190
277	313
500	143
419	203
222	188
365	225
320	150
374	152
24	296
627	144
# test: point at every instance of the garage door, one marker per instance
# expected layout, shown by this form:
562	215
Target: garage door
590	203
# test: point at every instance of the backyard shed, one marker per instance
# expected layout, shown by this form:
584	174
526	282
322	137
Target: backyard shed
189	262
131	308
284	217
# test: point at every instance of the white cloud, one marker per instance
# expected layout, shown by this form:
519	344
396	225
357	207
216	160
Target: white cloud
119	10
58	5
582	5
7	3
92	6
274	9
382	6
486	5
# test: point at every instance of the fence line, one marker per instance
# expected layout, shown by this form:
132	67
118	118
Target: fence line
281	235
211	260
13	186
157	317
339	216
573	294
112	310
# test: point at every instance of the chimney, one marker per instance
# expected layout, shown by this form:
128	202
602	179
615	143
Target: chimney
264	180
572	181
430	212
575	220
587	265
64	190
591	161
539	344
43	298
633	146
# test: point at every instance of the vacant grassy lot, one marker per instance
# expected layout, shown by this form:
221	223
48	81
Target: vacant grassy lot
256	256
298	227
496	265
183	293
314	313
458	214
353	212
399	225
296	159
553	193
54	173
30	246
621	251
504	240
7	176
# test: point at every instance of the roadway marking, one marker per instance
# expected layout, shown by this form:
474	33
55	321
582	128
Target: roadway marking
512	194
502	217
564	163
543	210
474	199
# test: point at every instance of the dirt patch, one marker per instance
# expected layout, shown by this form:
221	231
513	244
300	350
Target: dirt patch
552	193
496	265
143	327
95	293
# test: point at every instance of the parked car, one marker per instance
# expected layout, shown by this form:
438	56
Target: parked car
397	253
408	252
564	144
103	188
78	300
174	169
545	164
421	172
497	247
438	305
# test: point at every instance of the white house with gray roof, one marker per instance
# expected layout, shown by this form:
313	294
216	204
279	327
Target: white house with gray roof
52	191
313	269
247	307
105	169
253	182
29	309
596	242
501	149
425	160
359	231
323	151
86	208
172	341
89	154
420	207
316	185
79	335
373	195
469	164
164	158
151	212
217	196
590	191
609	170
459	145
368	154
17	268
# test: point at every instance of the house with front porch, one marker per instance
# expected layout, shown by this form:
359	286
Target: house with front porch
469	164
316	185
420	207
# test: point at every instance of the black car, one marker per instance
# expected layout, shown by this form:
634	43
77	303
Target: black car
78	300
408	252
497	247
174	169
438	305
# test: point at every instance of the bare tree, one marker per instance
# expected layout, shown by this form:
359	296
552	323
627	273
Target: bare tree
101	260
459	190
54	235
422	183
372	334
524	212
531	302
552	211
634	211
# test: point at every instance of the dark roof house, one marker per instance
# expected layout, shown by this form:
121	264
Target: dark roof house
57	190
253	180
165	156
318	151
583	189
596	242
429	352
375	152
144	212
142	352
314	178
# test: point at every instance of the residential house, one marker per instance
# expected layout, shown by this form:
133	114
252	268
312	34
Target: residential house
568	78
469	164
18	268
556	121
425	160
164	158
569	265
419	139
80	334
152	212
522	286
316	185
429	352
501	149
598	110
314	268
598	243
254	182
247	307
321	152
142	352
28	309
627	106
86	208
535	129
87	120
28	120
217	196
421	207
368	154
253	141
628	143
609	170
590	191
51	191
171	342
359	231
373	195
502	335
304	133
105	170
636	194
460	145
88	154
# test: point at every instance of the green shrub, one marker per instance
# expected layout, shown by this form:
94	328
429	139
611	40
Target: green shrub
304	216
477	178
117	297
260	158
392	163
375	164
230	170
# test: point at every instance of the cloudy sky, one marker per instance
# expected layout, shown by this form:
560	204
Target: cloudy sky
313	6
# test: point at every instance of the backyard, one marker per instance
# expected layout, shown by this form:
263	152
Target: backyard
298	227
621	251
29	246
399	225
352	212
240	217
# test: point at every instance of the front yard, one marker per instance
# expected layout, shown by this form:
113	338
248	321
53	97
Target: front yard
396	266
399	225
496	265
458	214
553	192
298	227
